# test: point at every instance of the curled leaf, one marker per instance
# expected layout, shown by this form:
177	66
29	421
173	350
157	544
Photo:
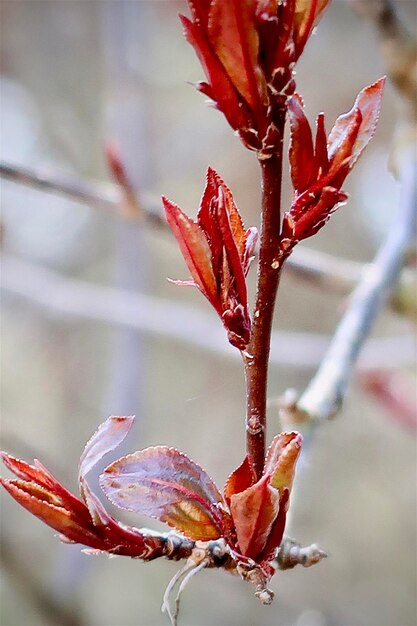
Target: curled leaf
163	483
281	459
254	511
239	480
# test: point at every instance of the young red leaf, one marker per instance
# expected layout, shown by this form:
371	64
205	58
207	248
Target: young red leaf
301	151
223	90
235	219
277	530
239	480
307	15
40	503
194	247
231	30
369	102
107	437
254	511
165	484
342	138
281	459
235	260
38	475
320	149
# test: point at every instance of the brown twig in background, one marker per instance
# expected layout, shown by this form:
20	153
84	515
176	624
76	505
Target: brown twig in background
108	197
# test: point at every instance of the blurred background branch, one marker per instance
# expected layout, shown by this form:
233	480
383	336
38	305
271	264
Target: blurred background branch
64	296
325	393
317	268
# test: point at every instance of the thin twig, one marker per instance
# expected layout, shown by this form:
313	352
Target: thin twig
69	297
324	270
107	197
325	393
317	268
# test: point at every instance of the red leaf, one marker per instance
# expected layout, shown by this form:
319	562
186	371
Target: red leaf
40	503
207	218
234	259
107	437
235	219
353	131
254	511
342	138
307	15
281	458
320	151
369	102
277	530
200	9
194	247
239	480
301	150
37	474
231	30
163	483
223	90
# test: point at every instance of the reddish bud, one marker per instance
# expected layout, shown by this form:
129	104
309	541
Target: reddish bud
217	250
318	172
79	520
248	49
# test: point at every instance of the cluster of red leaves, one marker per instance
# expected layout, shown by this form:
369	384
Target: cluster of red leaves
248	49
165	484
79	520
319	169
218	251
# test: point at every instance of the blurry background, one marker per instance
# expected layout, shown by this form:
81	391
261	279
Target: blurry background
75	74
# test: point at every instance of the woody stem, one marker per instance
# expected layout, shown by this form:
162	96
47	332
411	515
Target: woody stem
269	269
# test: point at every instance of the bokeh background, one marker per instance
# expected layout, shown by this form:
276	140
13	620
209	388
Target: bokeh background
75	74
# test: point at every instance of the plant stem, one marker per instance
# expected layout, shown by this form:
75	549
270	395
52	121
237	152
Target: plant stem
269	269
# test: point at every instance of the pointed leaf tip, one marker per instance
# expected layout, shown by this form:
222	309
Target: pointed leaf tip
194	248
107	437
281	459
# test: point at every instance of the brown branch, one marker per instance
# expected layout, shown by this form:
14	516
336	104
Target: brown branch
107	197
325	393
256	357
